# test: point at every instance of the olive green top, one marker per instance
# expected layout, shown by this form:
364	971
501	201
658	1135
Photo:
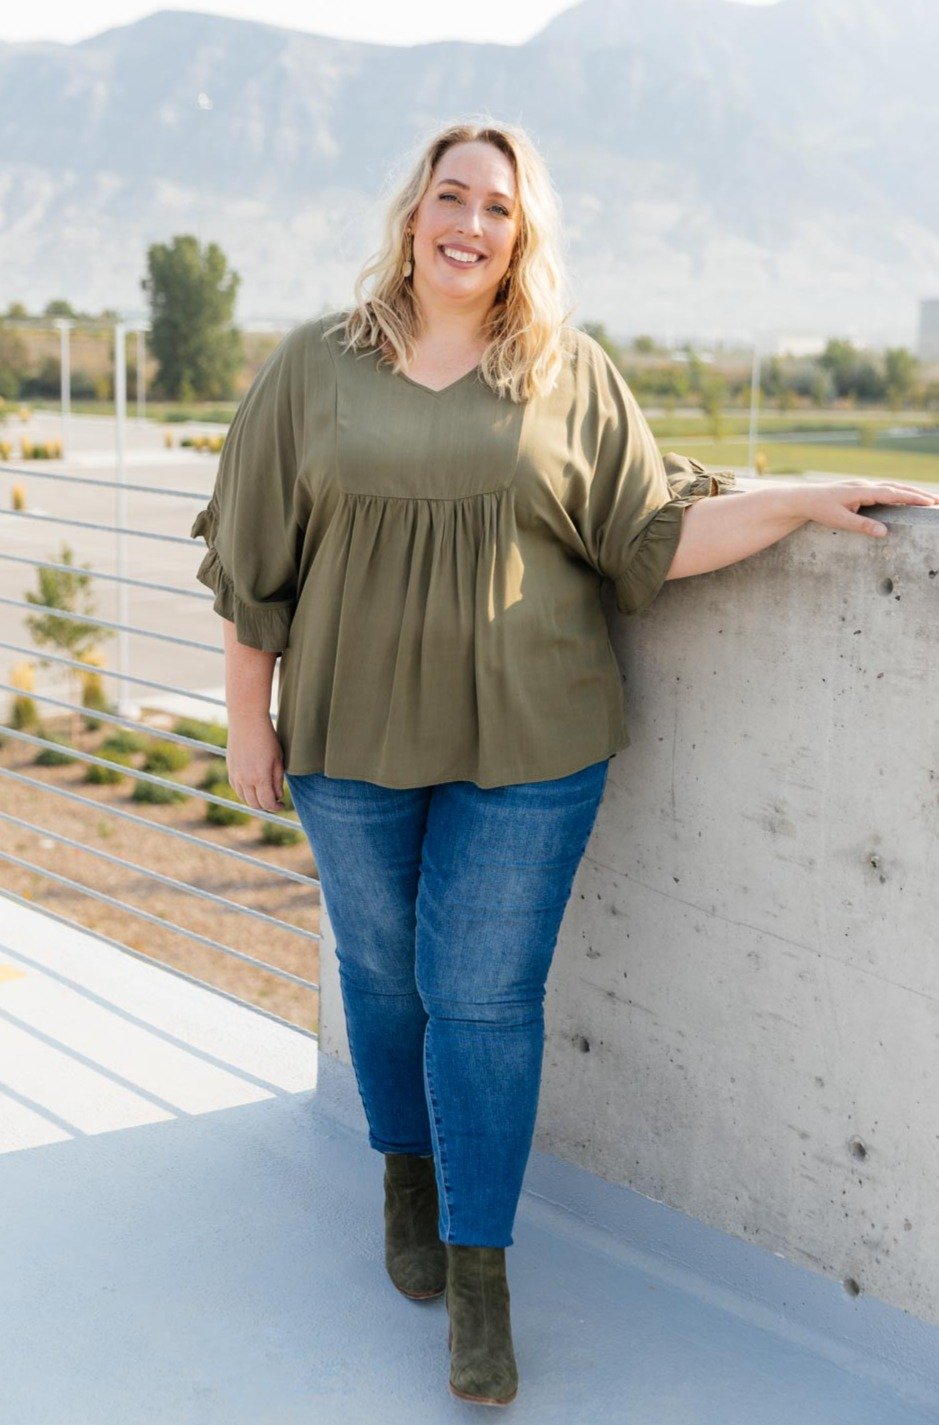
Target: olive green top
429	563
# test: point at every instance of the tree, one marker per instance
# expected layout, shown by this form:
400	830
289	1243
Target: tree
58	307
713	391
192	301
901	369
60	589
14	363
602	337
841	360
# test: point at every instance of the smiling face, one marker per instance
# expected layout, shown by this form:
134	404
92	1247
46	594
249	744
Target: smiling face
465	227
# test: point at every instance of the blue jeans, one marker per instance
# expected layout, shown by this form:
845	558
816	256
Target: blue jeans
446	902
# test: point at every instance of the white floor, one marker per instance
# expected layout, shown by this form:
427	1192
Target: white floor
192	1235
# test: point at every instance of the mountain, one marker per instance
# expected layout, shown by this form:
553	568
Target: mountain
723	168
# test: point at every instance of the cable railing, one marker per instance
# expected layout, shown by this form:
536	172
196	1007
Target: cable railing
178	888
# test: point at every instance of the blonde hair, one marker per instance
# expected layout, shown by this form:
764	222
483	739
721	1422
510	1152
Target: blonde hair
525	324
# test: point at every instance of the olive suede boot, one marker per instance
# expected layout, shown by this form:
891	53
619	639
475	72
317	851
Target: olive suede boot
415	1257
482	1361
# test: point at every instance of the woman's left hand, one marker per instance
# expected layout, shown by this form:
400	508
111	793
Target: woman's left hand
836	504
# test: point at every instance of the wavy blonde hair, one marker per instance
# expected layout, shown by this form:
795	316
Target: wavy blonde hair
525	324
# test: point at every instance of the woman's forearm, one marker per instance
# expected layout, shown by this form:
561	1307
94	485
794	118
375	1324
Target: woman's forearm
721	529
249	675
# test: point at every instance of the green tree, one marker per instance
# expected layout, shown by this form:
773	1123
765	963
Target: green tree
192	301
713	392
841	360
64	589
14	363
644	345
58	307
17	312
901	370
600	335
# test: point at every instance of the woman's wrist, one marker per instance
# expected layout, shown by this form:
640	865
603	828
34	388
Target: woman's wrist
788	505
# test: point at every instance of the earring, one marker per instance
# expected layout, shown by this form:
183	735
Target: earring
408	268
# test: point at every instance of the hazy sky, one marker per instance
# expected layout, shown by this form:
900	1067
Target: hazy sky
492	21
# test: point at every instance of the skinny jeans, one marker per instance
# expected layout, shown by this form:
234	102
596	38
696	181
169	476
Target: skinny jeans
446	902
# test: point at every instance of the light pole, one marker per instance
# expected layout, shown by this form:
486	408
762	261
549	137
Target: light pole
64	325
141	375
125	706
754	406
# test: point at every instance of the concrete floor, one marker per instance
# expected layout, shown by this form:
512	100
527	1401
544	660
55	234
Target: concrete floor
193	1236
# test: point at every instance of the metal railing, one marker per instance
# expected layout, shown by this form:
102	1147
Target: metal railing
124	626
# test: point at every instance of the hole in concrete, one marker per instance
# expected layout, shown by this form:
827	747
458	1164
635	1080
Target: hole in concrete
583	1045
886	586
852	1287
857	1148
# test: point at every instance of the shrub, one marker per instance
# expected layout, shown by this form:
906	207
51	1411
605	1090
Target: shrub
123	739
53	756
215	773
156	795
166	757
24	715
212	732
93	692
280	835
109	776
226	816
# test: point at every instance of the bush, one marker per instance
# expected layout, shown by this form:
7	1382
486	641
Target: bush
109	776
52	756
212	732
156	795
280	835
226	816
124	739
94	696
24	713
166	757
215	773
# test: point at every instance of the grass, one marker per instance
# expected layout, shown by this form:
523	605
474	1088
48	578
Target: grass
166	412
783	458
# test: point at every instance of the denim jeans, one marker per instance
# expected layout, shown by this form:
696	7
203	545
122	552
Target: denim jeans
446	902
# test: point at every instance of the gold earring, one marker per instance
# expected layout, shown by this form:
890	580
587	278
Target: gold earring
408	268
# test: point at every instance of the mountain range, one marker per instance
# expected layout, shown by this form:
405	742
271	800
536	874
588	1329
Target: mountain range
724	169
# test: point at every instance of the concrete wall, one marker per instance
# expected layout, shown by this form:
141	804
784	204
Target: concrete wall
743	1010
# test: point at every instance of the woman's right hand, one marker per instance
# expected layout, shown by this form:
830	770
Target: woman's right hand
256	763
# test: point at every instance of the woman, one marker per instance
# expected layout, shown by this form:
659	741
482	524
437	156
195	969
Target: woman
416	504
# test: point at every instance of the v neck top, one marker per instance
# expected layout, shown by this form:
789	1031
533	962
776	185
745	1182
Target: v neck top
428	564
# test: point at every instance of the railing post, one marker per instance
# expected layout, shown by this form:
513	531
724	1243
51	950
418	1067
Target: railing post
124	704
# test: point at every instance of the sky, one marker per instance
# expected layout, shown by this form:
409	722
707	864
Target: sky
375	21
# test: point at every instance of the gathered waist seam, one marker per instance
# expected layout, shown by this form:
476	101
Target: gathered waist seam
425	499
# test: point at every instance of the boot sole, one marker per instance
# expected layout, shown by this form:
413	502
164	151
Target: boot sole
478	1399
419	1295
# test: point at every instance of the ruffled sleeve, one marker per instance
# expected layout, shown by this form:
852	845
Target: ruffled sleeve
628	510
249	524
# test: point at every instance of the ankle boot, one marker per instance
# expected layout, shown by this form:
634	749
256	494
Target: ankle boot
482	1363
415	1257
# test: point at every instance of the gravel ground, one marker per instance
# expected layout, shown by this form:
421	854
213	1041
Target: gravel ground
150	847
